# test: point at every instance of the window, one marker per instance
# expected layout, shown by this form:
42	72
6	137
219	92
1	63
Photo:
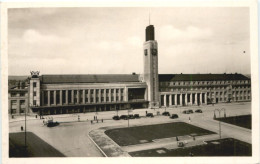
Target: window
122	90
107	90
97	91
107	98
122	98
13	94
97	99
22	102
34	84
112	90
34	102
102	90
102	99
34	93
116	90
145	52
86	92
22	94
91	91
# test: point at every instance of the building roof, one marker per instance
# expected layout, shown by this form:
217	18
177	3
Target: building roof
106	78
201	77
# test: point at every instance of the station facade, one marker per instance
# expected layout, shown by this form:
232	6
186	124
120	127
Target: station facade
62	94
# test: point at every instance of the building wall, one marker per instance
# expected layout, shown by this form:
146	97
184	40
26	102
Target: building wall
18	101
209	91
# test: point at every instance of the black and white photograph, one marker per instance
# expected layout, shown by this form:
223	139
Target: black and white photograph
176	81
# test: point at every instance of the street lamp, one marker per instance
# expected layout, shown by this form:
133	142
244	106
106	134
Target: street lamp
219	111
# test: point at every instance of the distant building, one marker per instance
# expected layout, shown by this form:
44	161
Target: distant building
60	94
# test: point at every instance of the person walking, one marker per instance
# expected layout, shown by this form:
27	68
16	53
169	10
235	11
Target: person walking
189	120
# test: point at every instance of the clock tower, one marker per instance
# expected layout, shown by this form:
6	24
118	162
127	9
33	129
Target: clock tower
150	75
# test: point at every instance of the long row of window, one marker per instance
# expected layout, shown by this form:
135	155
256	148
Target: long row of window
76	96
204	82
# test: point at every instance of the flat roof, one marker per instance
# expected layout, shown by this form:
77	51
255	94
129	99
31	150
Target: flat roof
201	77
98	78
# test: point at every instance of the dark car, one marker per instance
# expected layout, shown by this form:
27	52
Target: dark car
198	111
116	118
191	111
149	115
52	124
173	116
136	116
166	113
124	117
186	112
130	116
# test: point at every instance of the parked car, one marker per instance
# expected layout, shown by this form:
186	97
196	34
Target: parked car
52	124
198	111
130	116
191	111
166	113
116	118
136	116
124	117
173	116
149	115
186	112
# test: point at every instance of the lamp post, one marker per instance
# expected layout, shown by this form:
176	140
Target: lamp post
219	111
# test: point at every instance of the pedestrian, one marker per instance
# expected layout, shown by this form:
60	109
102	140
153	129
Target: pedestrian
102	120
94	117
193	138
146	112
91	122
97	120
177	139
21	128
189	119
78	118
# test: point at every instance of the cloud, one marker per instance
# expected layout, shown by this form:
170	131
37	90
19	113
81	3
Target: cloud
190	33
135	41
110	45
32	36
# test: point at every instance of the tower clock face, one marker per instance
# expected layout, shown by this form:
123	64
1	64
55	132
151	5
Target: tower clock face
154	52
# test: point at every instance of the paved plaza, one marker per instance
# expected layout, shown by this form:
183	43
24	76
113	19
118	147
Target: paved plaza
71	137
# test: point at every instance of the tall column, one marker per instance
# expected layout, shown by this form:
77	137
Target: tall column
126	94
196	94
205	98
109	93
200	97
223	97
170	100
119	94
49	98
84	97
67	97
175	99
88	95
61	97
72	96
94	95
191	98
99	95
54	98
78	96
186	99
114	95
164	99
181	99
214	97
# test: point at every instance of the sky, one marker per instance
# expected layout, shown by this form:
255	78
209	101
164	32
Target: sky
110	40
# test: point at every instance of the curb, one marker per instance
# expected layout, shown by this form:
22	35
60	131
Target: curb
97	146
